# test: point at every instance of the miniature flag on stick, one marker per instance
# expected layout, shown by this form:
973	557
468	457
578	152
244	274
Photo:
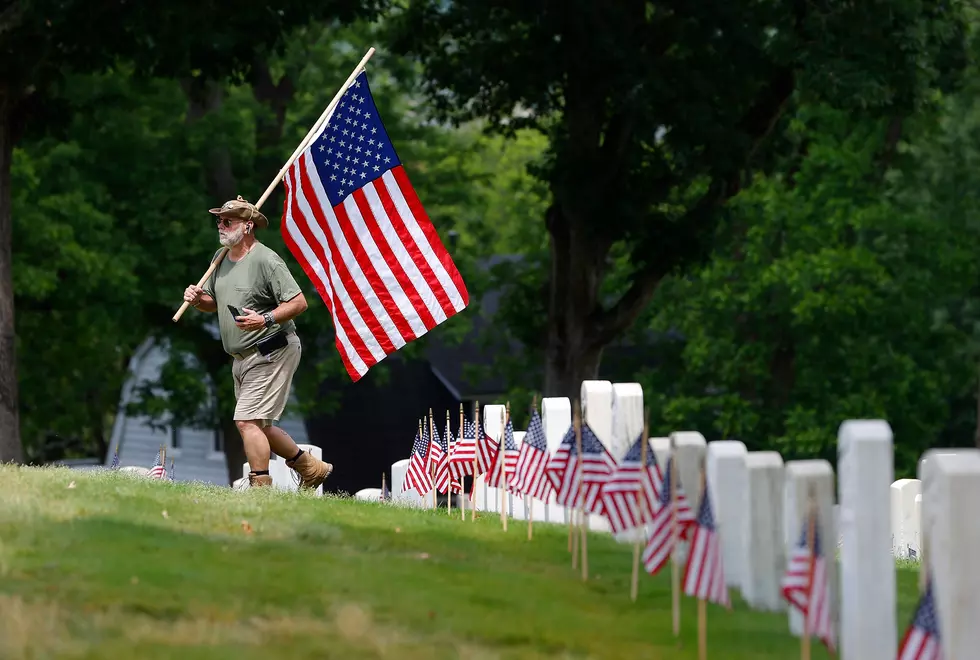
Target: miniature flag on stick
355	224
921	640
417	476
159	471
806	585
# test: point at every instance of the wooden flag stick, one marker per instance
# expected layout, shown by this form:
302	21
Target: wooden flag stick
573	535
580	497
675	578
811	530
324	117
642	501
462	490
449	453
476	464
382	486
502	462
702	603
432	467
528	500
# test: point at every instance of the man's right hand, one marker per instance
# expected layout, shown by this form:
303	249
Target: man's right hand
192	294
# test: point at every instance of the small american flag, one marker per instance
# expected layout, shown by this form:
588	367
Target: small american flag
529	477
358	229
115	459
443	479
593	467
704	577
436	451
660	544
486	451
807	587
556	470
172	470
505	462
464	453
417	476
922	640
631	488
158	471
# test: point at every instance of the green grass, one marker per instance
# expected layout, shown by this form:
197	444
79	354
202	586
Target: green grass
117	567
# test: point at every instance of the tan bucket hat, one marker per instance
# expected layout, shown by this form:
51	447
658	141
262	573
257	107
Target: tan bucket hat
239	208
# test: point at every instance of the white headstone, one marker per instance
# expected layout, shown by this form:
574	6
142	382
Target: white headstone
762	524
556	418
691	448
492	417
409	497
914	528
868	594
661	450
799	476
368	495
597	399
905	532
728	481
950	497
627	417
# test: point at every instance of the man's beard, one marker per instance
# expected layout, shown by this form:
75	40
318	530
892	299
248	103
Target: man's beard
232	238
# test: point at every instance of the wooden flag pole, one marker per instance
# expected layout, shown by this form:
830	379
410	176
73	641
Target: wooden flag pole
476	464
675	578
580	499
811	530
324	117
502	461
462	437
382	486
702	603
642	501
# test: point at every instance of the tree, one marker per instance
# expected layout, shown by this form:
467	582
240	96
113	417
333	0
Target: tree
43	40
657	114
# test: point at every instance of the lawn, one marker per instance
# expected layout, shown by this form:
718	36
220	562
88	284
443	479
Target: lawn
101	565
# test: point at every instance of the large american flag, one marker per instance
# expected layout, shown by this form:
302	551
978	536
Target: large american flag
417	476
529	477
660	545
807	587
704	577
355	224
631	495
922	640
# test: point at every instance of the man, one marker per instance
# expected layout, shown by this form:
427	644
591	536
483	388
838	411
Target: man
256	299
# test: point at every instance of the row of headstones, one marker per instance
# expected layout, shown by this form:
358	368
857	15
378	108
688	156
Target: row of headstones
760	502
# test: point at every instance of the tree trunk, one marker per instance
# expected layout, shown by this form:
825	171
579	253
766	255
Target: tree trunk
574	350
11	449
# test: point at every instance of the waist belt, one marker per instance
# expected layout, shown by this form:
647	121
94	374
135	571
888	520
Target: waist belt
266	346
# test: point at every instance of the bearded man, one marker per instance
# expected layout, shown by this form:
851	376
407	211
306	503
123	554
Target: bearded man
257	298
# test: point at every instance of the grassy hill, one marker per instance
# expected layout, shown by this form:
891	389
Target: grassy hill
101	565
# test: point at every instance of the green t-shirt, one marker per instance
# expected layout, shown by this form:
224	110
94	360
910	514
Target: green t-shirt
259	281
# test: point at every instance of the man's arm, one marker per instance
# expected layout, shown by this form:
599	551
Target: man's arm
206	304
290	309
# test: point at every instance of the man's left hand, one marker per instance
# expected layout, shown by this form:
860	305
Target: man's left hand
250	320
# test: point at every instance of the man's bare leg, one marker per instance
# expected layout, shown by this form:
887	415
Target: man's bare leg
256	451
281	443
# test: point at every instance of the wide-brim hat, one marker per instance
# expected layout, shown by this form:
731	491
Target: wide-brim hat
243	210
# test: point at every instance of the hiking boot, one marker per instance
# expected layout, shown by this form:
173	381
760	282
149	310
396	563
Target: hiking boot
312	471
259	480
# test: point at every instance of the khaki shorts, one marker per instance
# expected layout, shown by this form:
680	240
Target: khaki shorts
262	382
